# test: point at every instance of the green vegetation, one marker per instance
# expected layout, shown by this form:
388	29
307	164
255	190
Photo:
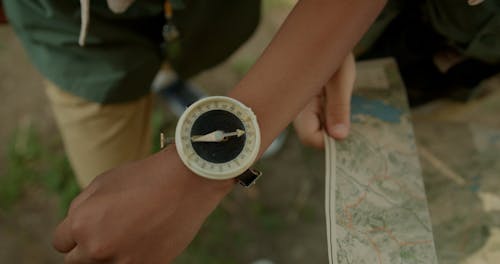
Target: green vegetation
214	234
33	161
30	162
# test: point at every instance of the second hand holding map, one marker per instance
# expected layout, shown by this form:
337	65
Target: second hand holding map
376	207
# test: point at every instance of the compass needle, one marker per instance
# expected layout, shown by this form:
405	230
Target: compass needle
217	138
237	133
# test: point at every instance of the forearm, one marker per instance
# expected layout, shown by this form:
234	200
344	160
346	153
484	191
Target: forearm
308	48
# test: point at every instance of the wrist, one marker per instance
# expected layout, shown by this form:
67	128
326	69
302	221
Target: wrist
190	180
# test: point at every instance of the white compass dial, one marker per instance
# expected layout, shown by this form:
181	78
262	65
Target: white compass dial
218	137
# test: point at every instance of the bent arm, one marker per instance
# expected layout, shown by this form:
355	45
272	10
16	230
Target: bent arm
310	45
161	192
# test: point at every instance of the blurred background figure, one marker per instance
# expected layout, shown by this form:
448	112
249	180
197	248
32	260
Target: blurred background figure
444	48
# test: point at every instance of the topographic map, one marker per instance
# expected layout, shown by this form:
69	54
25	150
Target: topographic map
376	206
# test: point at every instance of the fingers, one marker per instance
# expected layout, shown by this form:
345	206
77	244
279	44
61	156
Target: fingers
77	256
338	91
86	193
308	125
337	109
63	240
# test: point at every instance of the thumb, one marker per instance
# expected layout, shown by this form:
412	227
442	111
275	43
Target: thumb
338	91
308	125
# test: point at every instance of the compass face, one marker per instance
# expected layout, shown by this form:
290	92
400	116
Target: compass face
218	137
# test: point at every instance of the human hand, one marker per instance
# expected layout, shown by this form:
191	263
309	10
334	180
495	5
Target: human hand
329	111
144	212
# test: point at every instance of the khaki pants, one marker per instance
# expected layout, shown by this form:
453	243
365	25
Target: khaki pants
99	137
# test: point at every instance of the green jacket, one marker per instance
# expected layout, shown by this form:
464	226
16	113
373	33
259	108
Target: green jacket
123	52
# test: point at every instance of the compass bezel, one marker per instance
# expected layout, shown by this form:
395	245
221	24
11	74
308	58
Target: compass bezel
211	170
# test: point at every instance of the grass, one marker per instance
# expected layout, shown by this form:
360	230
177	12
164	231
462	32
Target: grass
32	161
29	161
208	247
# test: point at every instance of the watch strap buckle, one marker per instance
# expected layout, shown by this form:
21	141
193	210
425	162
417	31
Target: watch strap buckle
248	178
